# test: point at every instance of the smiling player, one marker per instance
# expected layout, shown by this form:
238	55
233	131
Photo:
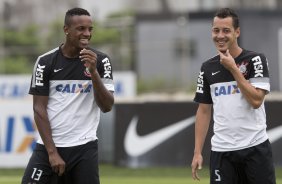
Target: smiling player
70	85
234	83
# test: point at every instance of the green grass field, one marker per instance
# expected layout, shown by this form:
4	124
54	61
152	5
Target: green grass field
118	175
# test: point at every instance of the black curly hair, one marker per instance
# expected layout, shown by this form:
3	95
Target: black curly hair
73	12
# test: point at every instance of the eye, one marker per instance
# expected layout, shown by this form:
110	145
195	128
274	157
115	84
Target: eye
215	31
81	28
226	31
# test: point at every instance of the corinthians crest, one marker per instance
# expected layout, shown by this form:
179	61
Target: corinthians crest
243	67
87	72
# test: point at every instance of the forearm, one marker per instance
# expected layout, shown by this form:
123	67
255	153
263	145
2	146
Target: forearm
104	98
254	96
201	128
44	129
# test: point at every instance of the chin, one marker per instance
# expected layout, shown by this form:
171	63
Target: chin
223	50
84	46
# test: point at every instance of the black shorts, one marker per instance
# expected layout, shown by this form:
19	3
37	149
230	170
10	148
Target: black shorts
252	165
81	166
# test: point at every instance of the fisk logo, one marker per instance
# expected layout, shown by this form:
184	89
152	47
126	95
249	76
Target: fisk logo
12	127
39	75
200	83
258	66
107	68
74	88
226	90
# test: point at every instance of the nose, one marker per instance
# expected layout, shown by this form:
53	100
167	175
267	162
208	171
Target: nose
221	34
87	33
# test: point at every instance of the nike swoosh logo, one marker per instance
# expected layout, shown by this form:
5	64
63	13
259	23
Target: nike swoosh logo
136	145
275	134
214	73
56	70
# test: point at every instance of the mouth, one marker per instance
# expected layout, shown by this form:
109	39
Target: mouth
221	43
84	41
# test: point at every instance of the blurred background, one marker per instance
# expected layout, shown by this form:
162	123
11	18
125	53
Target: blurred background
156	49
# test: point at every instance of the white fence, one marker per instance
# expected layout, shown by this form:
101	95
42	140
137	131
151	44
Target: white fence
17	128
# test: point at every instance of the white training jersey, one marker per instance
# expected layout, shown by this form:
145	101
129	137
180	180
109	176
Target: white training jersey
237	125
72	110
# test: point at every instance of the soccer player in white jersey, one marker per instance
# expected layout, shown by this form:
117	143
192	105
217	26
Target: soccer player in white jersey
70	85
234	83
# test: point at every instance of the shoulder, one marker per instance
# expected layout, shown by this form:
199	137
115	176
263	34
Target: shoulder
252	54
47	56
45	61
50	53
211	61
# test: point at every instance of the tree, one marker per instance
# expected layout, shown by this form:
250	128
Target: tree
20	49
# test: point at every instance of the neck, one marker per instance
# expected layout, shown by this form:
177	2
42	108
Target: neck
235	52
69	51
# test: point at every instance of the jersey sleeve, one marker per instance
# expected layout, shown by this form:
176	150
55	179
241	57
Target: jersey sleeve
259	73
40	78
203	94
105	72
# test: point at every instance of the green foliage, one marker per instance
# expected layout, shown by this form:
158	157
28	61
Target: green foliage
17	64
26	37
100	34
150	86
22	47
158	85
55	36
104	35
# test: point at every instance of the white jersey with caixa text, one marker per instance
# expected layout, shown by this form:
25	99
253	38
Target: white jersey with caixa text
237	125
72	111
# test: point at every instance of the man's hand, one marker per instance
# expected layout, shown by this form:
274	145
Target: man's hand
227	60
89	58
57	163
196	165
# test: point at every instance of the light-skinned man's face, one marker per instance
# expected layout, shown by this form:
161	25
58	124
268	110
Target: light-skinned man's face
223	34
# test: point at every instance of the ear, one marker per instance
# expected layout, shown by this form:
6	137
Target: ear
66	30
238	31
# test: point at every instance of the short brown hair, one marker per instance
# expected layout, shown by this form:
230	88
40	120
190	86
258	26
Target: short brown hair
227	12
